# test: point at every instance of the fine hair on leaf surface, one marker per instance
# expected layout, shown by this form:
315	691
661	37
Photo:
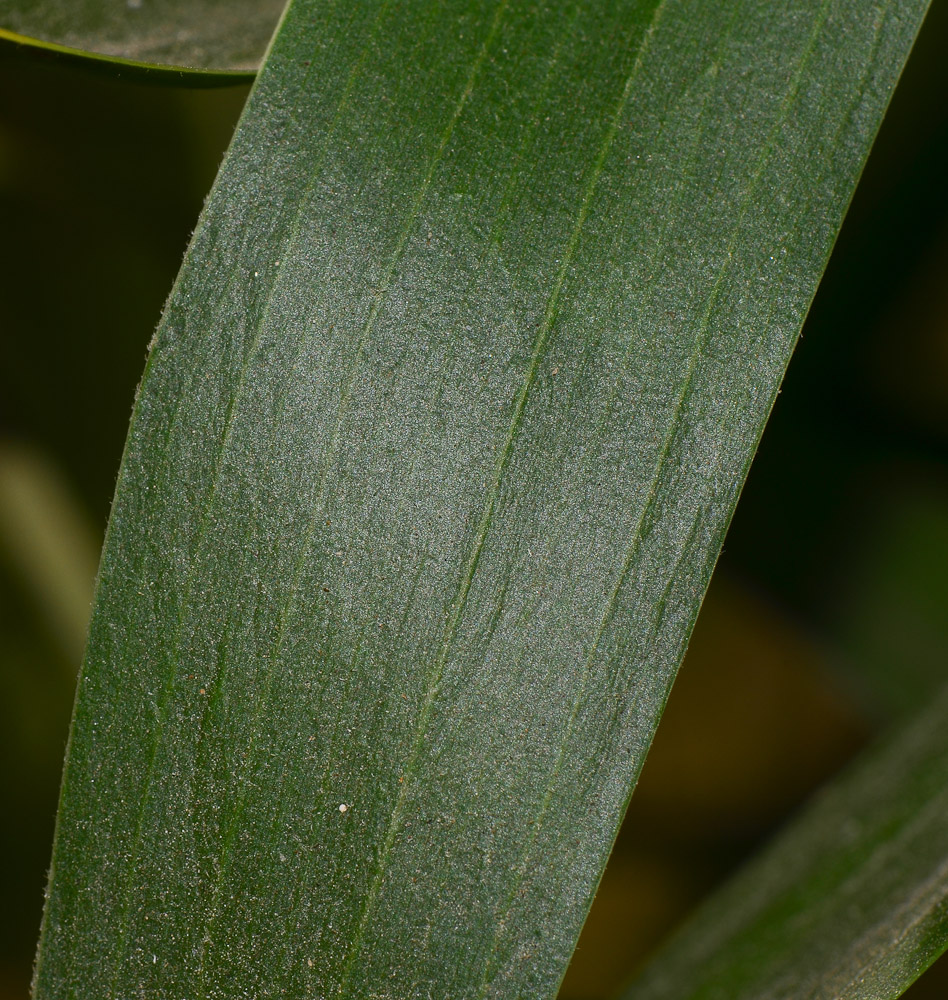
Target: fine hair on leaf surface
437	443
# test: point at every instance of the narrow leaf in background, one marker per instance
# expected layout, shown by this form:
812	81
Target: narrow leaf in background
435	450
50	542
851	900
199	34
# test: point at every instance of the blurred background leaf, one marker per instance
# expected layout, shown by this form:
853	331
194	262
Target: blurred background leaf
843	518
52	547
849	901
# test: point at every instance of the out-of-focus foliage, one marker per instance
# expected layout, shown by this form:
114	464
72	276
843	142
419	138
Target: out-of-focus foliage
440	433
851	900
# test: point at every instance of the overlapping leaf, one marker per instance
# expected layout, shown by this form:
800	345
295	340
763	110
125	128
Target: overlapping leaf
197	34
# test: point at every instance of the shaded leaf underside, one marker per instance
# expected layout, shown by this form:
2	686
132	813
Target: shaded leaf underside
227	35
438	439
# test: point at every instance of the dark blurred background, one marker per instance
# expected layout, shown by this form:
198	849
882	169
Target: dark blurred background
827	616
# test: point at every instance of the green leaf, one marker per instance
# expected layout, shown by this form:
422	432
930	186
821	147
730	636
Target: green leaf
850	901
221	35
434	453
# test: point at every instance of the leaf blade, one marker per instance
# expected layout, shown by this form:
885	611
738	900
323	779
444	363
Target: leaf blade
435	450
